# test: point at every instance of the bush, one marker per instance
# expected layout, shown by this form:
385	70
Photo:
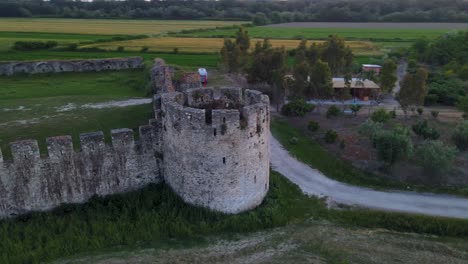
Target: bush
333	111
297	108
34	45
369	128
72	47
313	126
120	48
420	110
422	129
342	144
392	114
393	145
331	136
460	136
144	49
355	108
436	157
380	115
435	114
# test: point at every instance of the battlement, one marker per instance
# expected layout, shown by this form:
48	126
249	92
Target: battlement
216	145
68	176
57	66
211	146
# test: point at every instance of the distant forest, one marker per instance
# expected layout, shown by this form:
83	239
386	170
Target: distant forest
258	11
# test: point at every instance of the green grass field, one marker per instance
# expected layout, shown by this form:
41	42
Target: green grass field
40	106
322	33
7	39
193	61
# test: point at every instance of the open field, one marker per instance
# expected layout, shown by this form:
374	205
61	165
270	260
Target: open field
365	48
370	25
105	27
192	61
375	34
40	106
7	39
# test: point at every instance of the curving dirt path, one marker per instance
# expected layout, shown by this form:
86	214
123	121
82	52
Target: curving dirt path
313	182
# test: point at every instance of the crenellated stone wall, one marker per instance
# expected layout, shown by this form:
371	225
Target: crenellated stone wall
216	147
30	182
211	146
57	66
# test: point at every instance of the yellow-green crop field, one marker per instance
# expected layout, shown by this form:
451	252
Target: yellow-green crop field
364	48
106	26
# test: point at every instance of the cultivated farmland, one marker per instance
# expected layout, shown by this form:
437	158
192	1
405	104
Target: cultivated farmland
106	27
367	31
365	48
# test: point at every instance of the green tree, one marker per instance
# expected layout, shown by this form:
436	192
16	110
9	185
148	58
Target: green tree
462	104
231	55
393	145
314	53
388	75
321	80
260	19
336	54
243	40
301	52
436	157
413	89
460	136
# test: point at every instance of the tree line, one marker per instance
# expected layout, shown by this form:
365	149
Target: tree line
260	12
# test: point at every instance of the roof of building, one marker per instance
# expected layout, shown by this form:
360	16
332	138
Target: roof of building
371	66
355	83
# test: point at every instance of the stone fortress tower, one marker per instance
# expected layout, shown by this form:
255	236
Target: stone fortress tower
210	145
216	148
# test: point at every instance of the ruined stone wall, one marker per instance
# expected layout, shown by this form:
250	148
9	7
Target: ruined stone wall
56	66
161	77
217	158
33	183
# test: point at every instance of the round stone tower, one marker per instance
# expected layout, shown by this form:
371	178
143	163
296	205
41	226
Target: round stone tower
216	147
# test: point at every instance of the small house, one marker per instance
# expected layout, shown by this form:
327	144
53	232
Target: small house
362	89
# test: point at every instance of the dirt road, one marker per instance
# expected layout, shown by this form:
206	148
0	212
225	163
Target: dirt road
313	182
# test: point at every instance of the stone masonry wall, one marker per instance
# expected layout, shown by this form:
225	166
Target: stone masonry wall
56	66
33	183
211	146
217	158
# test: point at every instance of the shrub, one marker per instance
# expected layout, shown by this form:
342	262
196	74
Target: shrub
175	51
422	129
393	145
72	47
460	136
297	108
380	115
342	144
355	108
369	128
331	136
436	157
392	114
313	126
120	48
34	45
144	49
420	110
333	111
293	141
435	114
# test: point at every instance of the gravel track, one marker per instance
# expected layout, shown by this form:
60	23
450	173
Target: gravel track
313	182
